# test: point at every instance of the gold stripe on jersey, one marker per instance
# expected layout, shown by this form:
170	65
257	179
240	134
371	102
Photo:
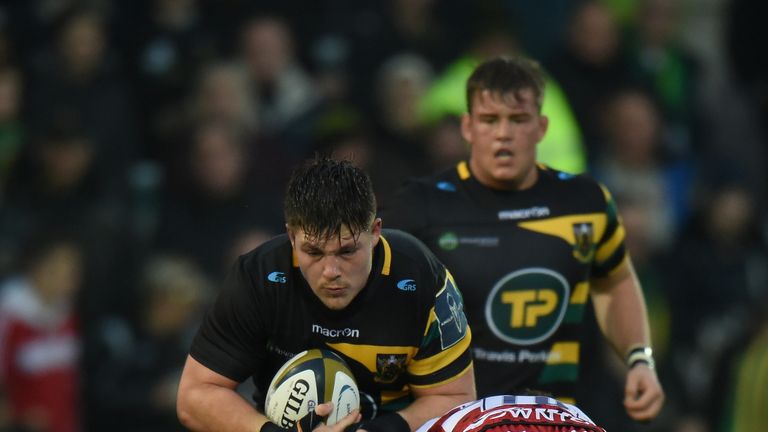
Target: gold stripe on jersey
445	381
442	359
563	353
366	354
624	262
563	226
606	193
609	247
562	363
387	396
463	170
580	293
387	257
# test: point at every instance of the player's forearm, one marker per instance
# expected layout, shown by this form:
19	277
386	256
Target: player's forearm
620	310
208	407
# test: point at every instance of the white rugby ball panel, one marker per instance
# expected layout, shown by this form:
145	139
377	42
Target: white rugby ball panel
311	377
291	399
346	397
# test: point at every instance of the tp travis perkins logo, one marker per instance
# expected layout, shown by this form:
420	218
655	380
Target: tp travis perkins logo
334	333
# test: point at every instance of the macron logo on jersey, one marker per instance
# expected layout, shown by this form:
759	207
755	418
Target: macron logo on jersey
407	285
277	277
335	333
446	186
527	213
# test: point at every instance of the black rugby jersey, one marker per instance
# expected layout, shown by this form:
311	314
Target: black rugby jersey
523	260
405	329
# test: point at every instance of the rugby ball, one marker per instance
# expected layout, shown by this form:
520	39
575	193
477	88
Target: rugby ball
307	379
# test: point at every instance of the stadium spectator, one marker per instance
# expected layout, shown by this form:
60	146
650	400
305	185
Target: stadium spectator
134	363
40	336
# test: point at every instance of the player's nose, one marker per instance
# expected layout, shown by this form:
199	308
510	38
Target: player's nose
503	130
331	269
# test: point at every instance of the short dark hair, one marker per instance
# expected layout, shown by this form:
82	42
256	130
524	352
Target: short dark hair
507	74
323	194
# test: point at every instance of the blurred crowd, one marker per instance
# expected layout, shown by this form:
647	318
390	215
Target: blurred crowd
145	144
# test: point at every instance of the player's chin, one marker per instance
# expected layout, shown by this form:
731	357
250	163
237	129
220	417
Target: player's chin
336	302
506	172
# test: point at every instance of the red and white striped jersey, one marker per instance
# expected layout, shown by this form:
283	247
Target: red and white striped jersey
513	414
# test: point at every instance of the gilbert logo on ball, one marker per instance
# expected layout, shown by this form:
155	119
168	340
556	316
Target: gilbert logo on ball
309	378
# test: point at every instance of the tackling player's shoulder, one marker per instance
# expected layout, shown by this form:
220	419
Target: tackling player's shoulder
411	256
269	263
444	181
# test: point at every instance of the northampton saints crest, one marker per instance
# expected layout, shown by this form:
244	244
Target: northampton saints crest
389	367
584	247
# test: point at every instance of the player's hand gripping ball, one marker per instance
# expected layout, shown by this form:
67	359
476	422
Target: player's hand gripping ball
306	380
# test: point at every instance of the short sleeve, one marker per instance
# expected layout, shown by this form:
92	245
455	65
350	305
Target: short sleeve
611	252
232	338
444	350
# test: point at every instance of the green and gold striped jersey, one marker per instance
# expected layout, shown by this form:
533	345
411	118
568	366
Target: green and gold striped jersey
524	260
405	329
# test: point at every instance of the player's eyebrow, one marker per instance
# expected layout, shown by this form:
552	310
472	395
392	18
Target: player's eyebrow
309	247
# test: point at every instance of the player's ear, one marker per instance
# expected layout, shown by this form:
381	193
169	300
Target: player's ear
291	234
466	131
543	125
376	231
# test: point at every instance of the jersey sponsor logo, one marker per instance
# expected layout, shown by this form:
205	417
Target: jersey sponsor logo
450	241
389	367
277	277
446	186
449	309
527	213
407	285
584	247
516	356
527	306
335	333
271	347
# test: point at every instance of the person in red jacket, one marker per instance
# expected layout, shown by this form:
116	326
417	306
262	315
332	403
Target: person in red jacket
39	339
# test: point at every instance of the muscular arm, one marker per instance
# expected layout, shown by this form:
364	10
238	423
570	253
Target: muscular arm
620	309
435	401
621	314
208	401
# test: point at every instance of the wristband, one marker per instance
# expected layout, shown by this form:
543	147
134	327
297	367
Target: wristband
387	423
306	424
638	355
270	427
